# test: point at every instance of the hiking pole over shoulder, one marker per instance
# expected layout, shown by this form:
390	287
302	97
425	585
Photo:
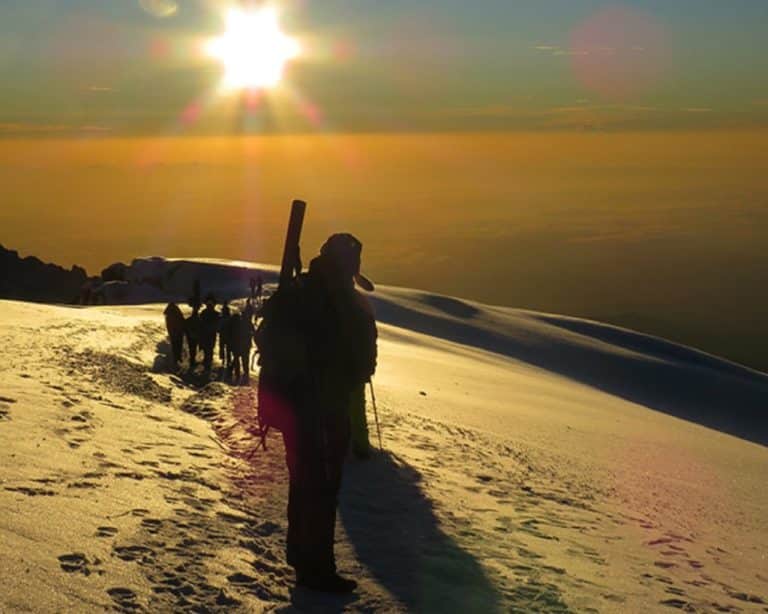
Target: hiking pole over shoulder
291	255
289	267
375	413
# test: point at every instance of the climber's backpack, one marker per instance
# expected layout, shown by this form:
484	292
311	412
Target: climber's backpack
281	341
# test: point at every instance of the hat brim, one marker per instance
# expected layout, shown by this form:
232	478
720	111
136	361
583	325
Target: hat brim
365	283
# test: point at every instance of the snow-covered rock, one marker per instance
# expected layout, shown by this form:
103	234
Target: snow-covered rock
175	278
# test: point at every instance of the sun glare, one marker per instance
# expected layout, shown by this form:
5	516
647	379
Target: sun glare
253	49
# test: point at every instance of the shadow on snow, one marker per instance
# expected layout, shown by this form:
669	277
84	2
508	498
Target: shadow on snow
643	369
393	529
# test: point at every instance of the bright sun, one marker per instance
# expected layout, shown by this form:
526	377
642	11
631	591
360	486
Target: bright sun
253	49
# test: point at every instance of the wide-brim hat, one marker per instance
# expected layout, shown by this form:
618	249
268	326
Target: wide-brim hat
346	249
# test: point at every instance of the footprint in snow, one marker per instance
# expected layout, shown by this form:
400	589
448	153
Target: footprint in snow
77	562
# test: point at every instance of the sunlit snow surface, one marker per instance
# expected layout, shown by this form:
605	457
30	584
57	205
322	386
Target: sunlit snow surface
532	463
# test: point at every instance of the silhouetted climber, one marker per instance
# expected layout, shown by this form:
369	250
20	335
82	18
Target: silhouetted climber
257	288
241	340
209	326
333	337
174	323
196	295
225	355
233	330
192	332
252	284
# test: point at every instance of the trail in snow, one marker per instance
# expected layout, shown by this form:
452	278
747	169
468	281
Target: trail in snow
506	484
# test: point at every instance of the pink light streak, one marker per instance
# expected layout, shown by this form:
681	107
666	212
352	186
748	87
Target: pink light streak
619	53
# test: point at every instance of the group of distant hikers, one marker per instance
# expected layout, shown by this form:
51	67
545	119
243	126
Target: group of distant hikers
234	331
316	338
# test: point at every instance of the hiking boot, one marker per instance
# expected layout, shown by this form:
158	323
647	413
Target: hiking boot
326	583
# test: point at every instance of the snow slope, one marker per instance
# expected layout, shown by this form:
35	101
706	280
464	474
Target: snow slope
531	463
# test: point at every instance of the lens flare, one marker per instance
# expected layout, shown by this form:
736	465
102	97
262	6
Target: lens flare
619	53
253	49
159	8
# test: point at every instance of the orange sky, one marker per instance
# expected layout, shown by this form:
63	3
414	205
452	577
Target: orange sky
671	224
414	199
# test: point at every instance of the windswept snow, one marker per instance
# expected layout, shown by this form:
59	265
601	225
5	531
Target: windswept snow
531	462
639	368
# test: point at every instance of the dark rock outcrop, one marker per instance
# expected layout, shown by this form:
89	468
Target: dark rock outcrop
114	272
145	280
31	279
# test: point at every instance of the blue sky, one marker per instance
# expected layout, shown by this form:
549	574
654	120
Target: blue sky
394	66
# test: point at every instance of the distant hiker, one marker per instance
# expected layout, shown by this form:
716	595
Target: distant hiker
209	326
192	332
249	313
233	328
257	288
248	310
196	293
224	351
240	339
333	353
174	323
